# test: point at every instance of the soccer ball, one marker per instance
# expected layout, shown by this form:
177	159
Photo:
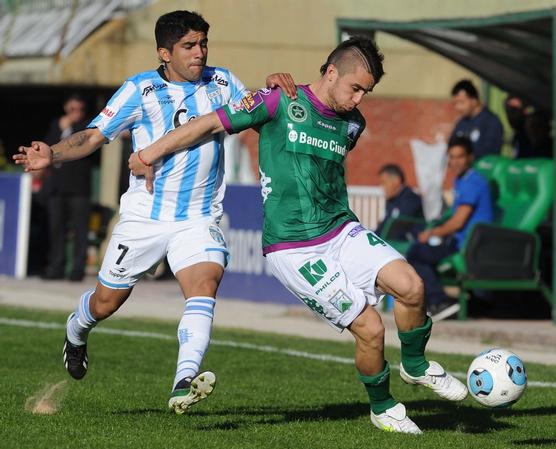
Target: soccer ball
496	378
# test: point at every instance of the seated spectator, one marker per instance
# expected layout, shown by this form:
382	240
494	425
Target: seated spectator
400	200
472	204
477	122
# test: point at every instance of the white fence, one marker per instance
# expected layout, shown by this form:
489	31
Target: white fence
368	203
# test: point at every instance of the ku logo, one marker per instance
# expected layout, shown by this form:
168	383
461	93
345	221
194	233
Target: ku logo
313	273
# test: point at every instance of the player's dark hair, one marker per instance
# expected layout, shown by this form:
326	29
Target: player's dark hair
461	141
466	86
171	27
366	48
393	170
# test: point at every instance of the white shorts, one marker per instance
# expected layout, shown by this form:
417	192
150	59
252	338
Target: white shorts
139	244
337	278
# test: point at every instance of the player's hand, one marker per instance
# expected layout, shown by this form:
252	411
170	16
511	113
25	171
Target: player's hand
139	169
35	157
424	236
285	82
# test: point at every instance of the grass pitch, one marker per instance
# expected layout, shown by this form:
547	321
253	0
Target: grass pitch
268	395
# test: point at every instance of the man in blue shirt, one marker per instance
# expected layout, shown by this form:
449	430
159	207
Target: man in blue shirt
401	200
477	123
472	204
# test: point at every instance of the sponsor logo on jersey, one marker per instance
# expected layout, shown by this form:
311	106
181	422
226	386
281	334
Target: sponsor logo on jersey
353	129
304	138
251	101
108	112
356	231
153	88
265	181
341	301
219	80
166	100
313	272
325	125
116	274
328	283
216	234
297	112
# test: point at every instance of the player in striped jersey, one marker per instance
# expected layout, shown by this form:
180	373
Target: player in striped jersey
178	217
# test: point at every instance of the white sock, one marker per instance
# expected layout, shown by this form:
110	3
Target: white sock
82	321
194	336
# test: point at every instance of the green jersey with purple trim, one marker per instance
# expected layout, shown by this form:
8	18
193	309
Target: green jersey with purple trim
302	148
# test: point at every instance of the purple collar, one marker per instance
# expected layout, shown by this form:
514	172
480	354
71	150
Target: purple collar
319	105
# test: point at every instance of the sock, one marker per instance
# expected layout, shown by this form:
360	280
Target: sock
413	348
378	389
193	336
82	321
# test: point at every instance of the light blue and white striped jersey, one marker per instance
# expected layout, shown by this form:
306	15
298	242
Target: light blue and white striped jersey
190	182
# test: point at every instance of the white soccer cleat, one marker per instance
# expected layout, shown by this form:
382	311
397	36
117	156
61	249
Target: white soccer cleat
183	398
395	420
438	380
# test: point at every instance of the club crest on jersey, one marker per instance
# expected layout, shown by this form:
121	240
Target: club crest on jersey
297	112
353	129
153	88
214	95
251	101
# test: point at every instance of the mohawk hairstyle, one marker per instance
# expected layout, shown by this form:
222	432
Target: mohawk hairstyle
365	49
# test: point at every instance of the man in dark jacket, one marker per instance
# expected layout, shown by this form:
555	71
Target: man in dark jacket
68	191
477	123
401	200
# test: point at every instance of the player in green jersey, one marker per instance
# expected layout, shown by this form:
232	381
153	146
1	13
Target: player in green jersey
313	241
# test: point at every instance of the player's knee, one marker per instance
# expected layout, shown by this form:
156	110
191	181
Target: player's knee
373	336
204	286
411	289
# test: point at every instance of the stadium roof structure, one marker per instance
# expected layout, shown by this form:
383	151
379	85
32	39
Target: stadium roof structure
511	51
39	28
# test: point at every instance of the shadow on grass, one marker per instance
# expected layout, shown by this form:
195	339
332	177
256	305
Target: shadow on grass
429	415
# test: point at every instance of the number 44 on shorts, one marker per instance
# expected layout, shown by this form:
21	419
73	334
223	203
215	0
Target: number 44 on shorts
374	240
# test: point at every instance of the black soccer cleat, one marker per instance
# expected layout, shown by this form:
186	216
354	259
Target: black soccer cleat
75	359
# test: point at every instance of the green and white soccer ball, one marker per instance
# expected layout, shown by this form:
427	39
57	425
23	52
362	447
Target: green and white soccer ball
497	378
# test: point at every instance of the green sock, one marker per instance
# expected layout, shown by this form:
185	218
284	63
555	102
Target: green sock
378	389
413	348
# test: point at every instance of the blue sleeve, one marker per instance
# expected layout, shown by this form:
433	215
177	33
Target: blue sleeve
122	111
237	89
470	193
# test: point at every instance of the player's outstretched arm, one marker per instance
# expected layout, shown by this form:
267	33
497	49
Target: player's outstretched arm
40	155
140	162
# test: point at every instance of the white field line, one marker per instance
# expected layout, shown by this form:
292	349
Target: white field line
233	344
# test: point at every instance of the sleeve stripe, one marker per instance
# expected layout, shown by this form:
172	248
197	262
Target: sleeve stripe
225	120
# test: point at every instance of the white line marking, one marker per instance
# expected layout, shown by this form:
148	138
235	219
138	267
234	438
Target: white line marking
233	344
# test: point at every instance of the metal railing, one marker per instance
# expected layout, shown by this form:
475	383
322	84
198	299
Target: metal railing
368	203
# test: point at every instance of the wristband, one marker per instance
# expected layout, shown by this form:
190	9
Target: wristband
142	160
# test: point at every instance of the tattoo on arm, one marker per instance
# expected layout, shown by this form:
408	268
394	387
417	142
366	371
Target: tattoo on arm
77	139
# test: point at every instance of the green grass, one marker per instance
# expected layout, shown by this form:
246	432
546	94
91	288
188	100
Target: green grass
262	399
